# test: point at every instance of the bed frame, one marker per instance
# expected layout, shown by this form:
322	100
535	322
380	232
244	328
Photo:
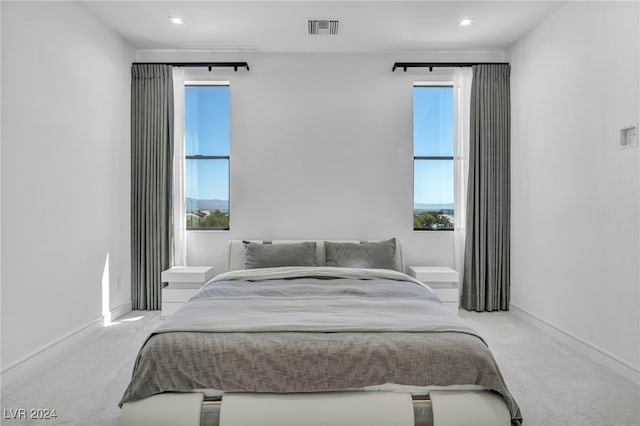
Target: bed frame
356	408
442	408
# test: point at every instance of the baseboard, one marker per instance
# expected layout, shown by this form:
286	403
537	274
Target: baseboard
48	352
592	351
120	311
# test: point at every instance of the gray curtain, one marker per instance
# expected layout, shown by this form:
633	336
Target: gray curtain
486	281
151	170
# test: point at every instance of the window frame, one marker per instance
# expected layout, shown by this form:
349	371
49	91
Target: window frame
207	83
447	84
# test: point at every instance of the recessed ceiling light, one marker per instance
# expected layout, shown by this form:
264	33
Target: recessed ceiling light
176	20
465	22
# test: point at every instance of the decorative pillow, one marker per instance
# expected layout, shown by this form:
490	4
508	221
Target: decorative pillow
379	255
259	255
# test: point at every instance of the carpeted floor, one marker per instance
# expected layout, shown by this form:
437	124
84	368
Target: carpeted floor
554	385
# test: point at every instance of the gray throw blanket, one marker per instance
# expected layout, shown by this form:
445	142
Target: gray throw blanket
284	330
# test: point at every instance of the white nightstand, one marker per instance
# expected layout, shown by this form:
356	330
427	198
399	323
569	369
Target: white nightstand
183	283
442	280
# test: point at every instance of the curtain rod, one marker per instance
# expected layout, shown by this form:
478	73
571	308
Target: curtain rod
210	65
432	65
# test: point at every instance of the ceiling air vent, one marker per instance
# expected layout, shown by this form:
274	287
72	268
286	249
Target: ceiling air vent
323	27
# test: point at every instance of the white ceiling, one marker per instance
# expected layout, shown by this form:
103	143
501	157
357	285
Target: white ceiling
281	26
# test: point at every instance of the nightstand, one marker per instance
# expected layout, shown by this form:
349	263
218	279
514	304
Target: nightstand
442	280
183	283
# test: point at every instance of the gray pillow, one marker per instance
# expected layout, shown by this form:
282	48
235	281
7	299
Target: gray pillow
379	255
259	255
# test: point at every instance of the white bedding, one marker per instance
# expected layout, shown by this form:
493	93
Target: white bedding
314	313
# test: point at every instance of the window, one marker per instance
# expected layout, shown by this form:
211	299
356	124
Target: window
433	207
207	156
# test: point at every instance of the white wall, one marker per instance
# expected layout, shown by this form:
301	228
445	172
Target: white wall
575	194
322	148
65	172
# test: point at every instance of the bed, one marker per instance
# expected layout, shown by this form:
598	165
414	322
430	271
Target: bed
316	332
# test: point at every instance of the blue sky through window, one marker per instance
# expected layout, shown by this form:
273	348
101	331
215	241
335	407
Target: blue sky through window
433	182
207	179
207	133
433	136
